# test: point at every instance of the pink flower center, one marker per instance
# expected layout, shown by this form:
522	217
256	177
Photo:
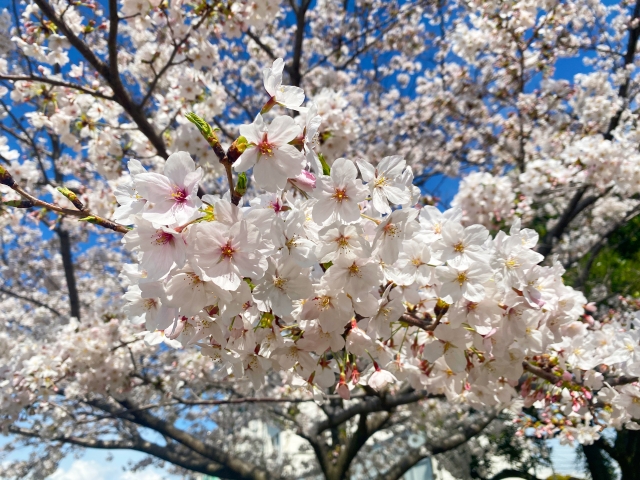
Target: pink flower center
227	250
276	205
265	147
162	238
179	194
340	195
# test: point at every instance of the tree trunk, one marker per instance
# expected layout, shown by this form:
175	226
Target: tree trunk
597	462
69	271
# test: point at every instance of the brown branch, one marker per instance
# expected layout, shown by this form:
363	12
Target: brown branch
541	373
629	58
55	83
120	94
30	300
554	379
169	453
241	467
95	219
369	404
176	49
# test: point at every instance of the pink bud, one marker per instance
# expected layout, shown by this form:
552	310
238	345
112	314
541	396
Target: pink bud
175	330
306	181
566	376
342	389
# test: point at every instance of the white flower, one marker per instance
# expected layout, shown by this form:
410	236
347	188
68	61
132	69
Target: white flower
512	259
283	282
312	124
413	262
464	245
353	276
392	232
379	379
339	194
160	248
171	198
289	237
385	182
186	291
358	341
339	240
432	220
226	254
463	281
269	153
451	342
286	95
333	310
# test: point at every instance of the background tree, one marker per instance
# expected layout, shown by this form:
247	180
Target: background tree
452	87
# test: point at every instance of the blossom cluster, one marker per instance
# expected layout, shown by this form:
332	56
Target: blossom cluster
339	278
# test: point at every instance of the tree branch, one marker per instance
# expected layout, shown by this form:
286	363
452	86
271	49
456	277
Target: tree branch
30	300
120	94
55	83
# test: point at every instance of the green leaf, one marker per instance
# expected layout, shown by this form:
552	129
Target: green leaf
326	169
241	185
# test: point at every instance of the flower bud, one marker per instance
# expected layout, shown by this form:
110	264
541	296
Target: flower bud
306	181
208	133
175	330
6	178
237	148
241	184
441	308
18	203
342	388
72	197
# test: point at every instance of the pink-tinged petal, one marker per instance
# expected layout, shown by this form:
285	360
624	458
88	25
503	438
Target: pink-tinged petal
191	180
160	213
253	132
446	274
184	213
450	292
178	166
452	233
157	263
322	210
380	202
473	292
153	186
455	359
348	211
210	237
224	275
479	272
282	130
343	172
367	170
247	160
392	166
289	159
397	195
290	96
313	122
268	176
476	234
433	351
